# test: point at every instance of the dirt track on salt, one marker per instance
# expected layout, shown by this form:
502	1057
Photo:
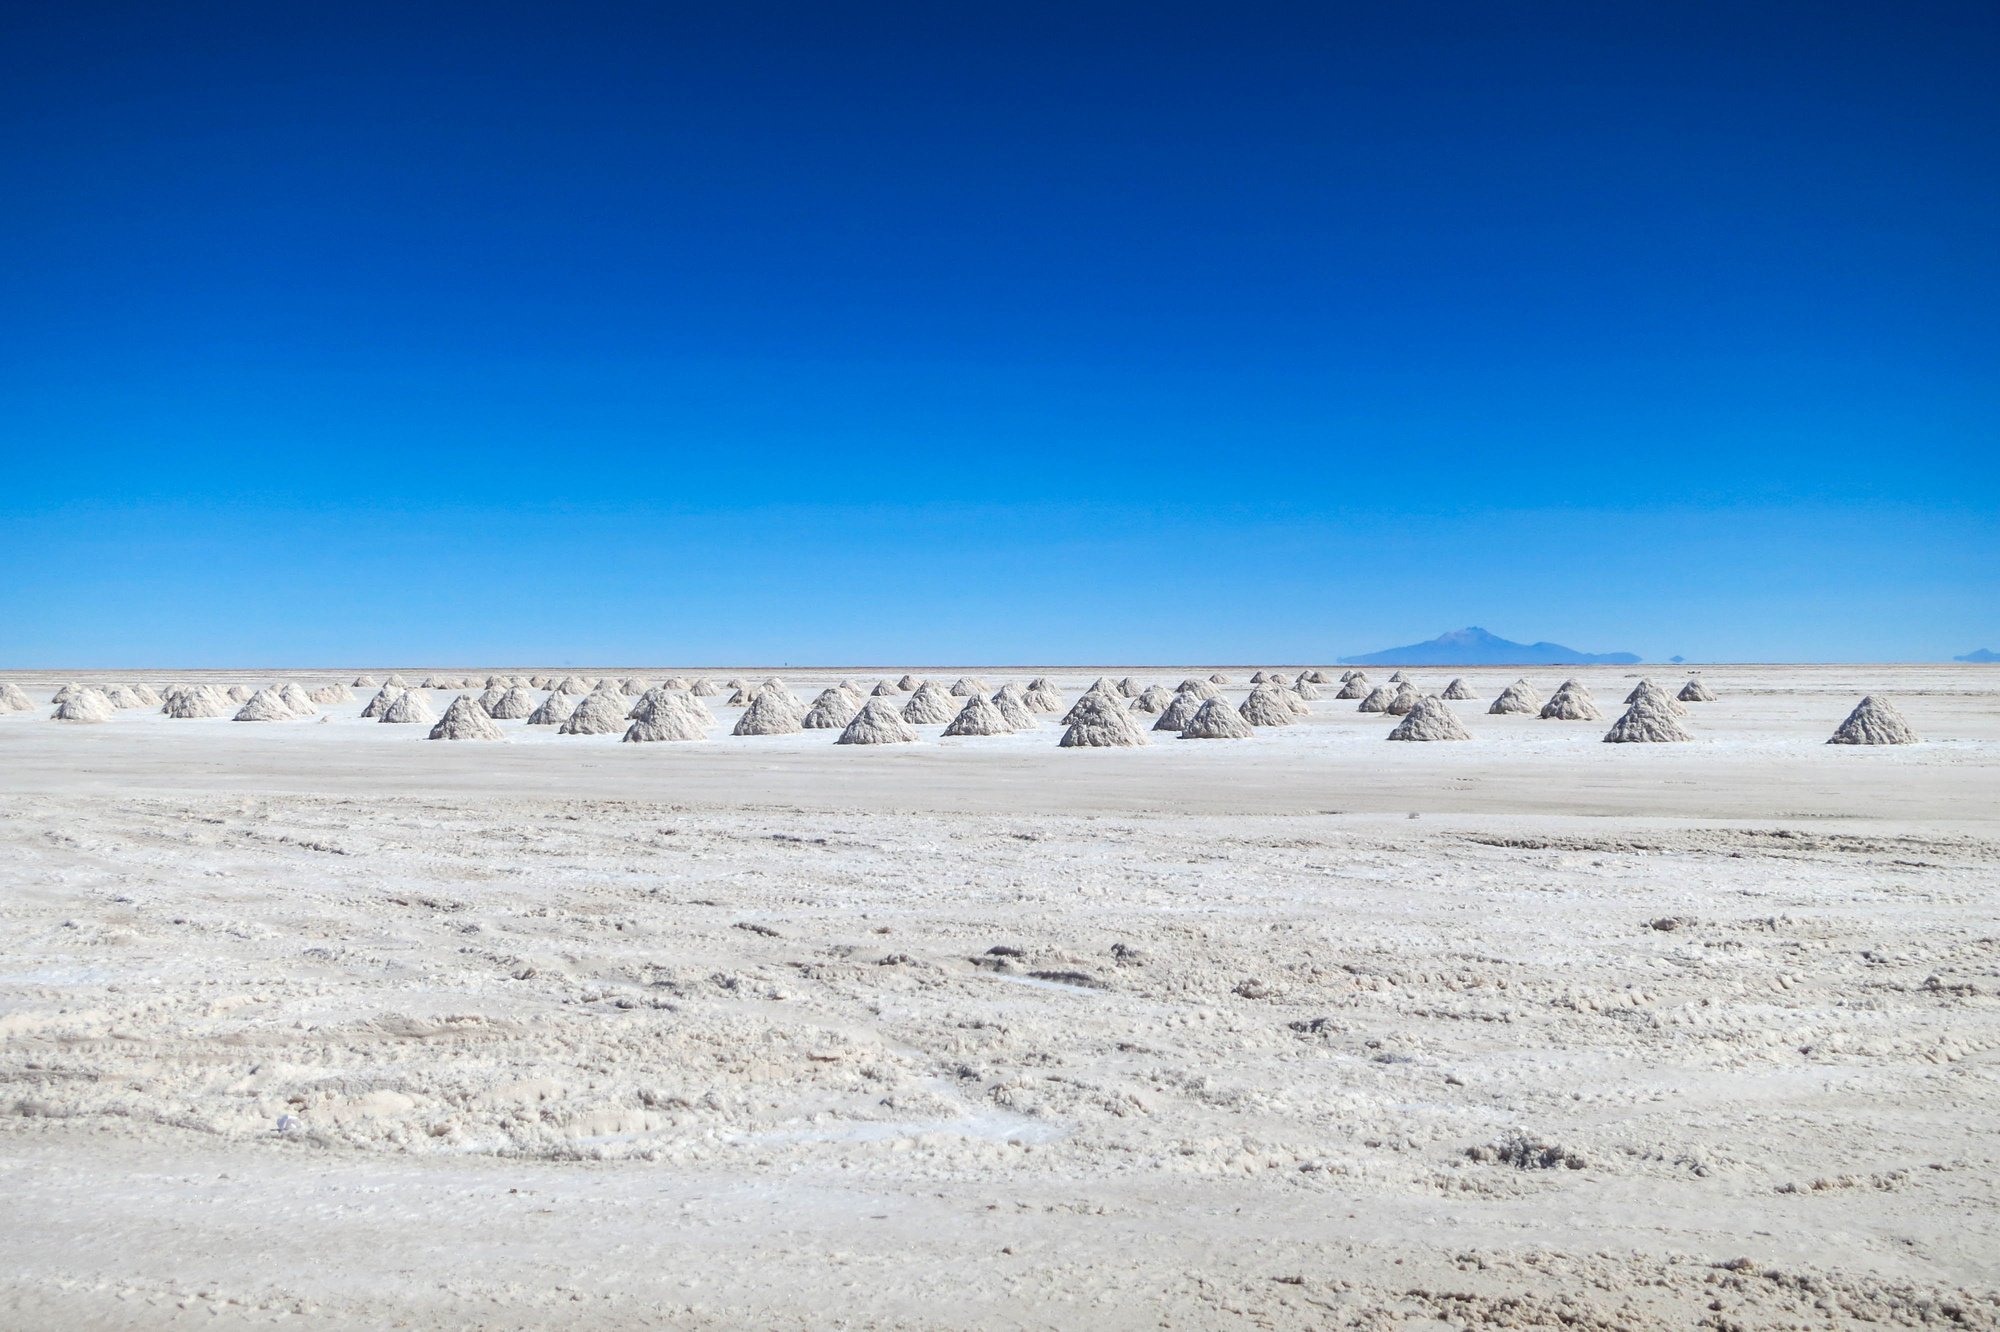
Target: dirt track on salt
316	1023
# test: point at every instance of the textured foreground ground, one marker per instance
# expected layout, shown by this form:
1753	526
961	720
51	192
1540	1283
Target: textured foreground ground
300	1027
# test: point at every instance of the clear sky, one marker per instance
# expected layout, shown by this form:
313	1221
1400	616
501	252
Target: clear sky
1030	332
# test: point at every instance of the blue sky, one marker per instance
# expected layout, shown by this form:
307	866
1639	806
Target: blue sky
963	333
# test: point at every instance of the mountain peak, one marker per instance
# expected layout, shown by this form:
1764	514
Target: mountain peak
1474	646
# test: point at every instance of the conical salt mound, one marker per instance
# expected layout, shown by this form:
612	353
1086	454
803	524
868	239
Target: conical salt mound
489	698
853	692
66	693
513	705
1266	706
297	699
1874	721
929	706
769	714
1314	677
365	682
1377	699
1517	697
978	717
1645	684
877	724
1304	690
1355	686
703	687
663	723
1406	698
396	681
1042	695
1458	691
1646	723
85	705
570	684
238	693
408	708
266	705
908	684
791	700
1430	719
552	711
466	720
1103	690
1572	702
1261	677
1099	721
600	713
884	689
192	701
632	688
964	687
1214	720
1154	699
1398	678
331	693
13	700
831	711
380	703
1130	688
1201	689
122	697
1218	679
1648	692
1180	710
1694	691
1013	706
741	697
147	698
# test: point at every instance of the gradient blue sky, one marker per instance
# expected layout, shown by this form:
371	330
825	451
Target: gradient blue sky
952	332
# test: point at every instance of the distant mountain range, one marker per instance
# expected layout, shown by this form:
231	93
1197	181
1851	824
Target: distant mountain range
1475	647
1983	655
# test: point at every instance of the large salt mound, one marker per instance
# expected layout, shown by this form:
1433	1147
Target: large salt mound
1694	691
297	699
466	720
1261	677
1406	698
966	687
552	711
147	698
877	724
1430	719
396	682
12	699
84	704
929	706
632	688
1013	705
1572	702
703	687
1103	690
1874	721
1377	699
884	689
238	693
1201	689
831	711
571	684
66	693
513	705
978	717
1517	697
1181	710
407	708
489	698
123	698
266	705
1214	719
1646	723
1304	689
1130	688
191	701
1355	686
365	682
1099	721
1042	695
1155	699
380	703
661	724
1267	706
1648	692
769	714
600	713
1458	691
331	693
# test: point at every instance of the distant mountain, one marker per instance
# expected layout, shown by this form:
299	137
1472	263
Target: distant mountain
1983	655
1476	647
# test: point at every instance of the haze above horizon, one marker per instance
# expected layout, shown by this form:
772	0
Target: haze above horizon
1054	333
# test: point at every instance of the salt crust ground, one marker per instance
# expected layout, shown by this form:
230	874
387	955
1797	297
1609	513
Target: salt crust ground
771	1033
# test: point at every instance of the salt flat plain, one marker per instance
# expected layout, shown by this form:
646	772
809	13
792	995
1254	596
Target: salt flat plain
319	1023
